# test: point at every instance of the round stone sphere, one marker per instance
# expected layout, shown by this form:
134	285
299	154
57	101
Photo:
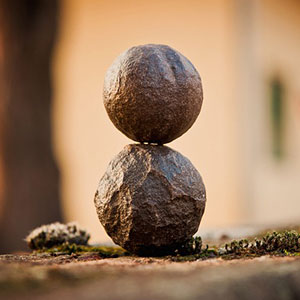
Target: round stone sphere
152	93
150	200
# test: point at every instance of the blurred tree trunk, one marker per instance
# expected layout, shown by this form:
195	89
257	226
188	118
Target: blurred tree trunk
29	193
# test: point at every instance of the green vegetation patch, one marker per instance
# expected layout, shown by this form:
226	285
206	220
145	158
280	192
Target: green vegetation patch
274	243
102	251
284	243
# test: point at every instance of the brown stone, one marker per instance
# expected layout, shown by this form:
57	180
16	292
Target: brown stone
152	93
150	200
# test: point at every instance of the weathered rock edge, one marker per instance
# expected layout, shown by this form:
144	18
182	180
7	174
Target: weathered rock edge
150	200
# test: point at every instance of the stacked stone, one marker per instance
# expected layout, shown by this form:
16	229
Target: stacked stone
151	198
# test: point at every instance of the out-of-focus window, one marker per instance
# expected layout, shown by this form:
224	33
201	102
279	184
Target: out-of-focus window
277	117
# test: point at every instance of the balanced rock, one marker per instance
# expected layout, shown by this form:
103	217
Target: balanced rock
150	200
152	93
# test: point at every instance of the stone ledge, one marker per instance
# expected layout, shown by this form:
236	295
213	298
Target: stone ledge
88	276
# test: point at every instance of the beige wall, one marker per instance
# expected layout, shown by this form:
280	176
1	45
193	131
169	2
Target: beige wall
274	49
92	34
237	46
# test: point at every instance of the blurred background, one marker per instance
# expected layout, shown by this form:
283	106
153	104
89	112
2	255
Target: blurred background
56	139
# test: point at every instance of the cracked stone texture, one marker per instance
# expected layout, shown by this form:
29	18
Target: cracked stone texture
151	199
152	93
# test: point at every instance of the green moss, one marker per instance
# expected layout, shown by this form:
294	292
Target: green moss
284	243
275	243
102	251
191	247
203	255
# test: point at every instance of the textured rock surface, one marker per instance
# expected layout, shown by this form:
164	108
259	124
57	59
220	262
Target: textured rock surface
150	199
152	93
86	275
29	277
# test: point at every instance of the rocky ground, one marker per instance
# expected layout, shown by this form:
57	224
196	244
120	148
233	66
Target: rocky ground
264	266
89	276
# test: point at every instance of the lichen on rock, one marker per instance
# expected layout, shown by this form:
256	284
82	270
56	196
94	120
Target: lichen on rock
54	234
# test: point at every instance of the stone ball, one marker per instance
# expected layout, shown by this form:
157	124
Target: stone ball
150	200
152	93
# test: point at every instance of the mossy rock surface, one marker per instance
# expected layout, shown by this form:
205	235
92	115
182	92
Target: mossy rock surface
85	272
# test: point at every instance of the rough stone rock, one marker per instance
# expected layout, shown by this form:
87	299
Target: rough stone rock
150	200
152	93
